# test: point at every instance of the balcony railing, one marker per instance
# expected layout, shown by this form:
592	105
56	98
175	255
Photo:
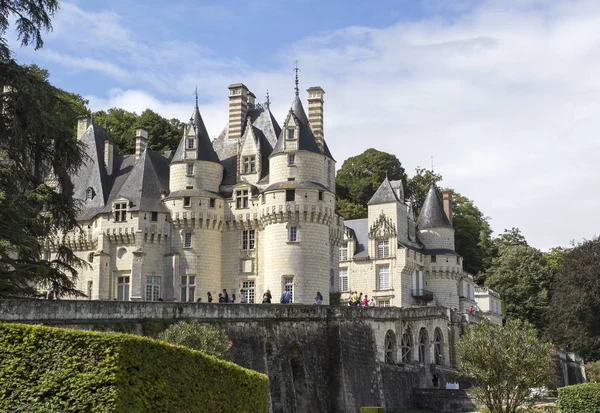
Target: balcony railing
424	294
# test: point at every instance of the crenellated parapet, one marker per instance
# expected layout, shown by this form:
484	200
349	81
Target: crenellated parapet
297	212
121	235
197	219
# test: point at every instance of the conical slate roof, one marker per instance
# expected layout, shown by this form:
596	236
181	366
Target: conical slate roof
432	214
204	150
384	194
306	139
298	110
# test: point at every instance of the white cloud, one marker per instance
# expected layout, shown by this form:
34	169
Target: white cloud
505	96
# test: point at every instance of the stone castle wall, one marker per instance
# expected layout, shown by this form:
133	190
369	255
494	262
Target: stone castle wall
319	359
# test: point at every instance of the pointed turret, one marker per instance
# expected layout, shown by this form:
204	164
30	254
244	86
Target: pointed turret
432	215
195	145
384	194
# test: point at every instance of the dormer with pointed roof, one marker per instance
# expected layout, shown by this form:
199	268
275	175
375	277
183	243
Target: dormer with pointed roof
389	201
433	227
195	164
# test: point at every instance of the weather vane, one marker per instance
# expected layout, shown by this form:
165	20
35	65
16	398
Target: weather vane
297	70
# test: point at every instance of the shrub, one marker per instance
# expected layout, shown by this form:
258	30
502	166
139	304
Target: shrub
46	369
580	398
192	334
592	371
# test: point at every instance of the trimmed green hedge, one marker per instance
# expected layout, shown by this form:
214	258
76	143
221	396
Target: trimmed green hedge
579	398
371	409
45	369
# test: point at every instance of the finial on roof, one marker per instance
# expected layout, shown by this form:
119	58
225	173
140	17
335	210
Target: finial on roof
268	102
297	70
196	93
432	174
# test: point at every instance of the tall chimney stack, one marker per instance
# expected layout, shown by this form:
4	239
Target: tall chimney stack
83	123
109	150
238	107
447	200
141	141
315	113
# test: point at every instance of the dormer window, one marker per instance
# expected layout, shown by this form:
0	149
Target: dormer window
190	143
249	164
90	193
290	133
120	211
190	167
241	198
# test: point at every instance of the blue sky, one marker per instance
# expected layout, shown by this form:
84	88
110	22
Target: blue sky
504	94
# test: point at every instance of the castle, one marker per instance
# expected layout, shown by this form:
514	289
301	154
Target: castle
254	210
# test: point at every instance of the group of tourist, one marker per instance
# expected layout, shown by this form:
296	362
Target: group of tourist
357	300
286	297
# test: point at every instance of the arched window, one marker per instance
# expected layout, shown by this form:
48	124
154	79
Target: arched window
91	257
423	346
438	347
406	347
390	347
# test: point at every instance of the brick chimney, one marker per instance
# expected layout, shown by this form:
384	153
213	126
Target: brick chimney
109	150
238	107
447	200
141	141
83	123
315	113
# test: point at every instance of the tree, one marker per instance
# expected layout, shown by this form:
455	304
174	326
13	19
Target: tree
472	234
194	335
350	210
574	313
37	126
506	362
163	134
522	276
361	175
31	17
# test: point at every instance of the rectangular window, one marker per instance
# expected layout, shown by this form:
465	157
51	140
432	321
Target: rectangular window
263	199
187	201
152	288
290	134
383	303
241	198
211	203
248	239
433	258
344	286
123	289
249	290
190	143
190	169
293	235
288	285
154	217
320	195
121	212
291	159
383	249
383	277
249	163
290	195
344	251
187	239
188	288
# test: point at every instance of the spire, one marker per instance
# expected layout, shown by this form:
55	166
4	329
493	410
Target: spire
432	215
296	88
268	102
196	93
203	149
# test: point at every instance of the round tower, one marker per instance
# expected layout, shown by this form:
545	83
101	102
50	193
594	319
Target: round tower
196	212
298	213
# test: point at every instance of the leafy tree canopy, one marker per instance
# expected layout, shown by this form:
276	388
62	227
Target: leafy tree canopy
418	186
522	276
37	125
163	134
506	363
194	335
574	314
30	18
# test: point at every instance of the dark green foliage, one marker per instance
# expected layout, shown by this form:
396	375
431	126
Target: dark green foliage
580	398
505	362
522	277
195	335
54	370
592	371
360	176
574	315
30	18
335	299
163	134
371	409
417	187
37	126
